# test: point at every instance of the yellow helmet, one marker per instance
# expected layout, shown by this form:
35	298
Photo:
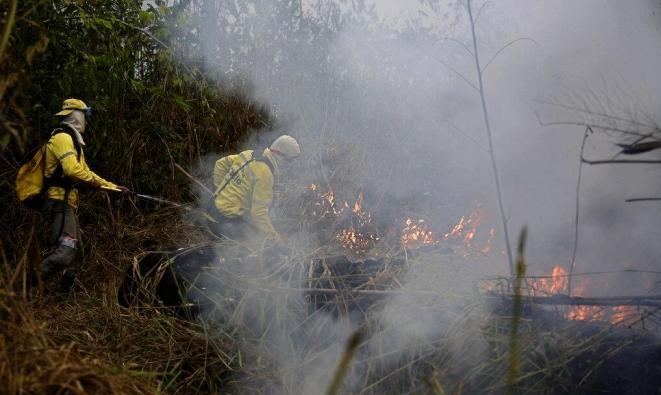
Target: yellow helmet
74	104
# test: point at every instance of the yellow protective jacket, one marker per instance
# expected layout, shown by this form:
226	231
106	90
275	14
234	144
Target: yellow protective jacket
60	150
249	190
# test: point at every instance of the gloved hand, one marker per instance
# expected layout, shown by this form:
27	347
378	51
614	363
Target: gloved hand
125	190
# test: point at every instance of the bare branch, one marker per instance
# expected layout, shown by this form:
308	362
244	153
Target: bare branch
487	125
643	199
472	85
195	180
462	132
479	12
640	146
591	112
587	132
454	40
612	161
505	47
594	126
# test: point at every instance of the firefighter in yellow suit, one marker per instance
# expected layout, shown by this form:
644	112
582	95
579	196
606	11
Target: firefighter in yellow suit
65	167
244	191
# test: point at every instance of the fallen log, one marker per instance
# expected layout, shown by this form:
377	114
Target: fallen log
653	300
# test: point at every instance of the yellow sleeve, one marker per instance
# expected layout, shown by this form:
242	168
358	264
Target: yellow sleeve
62	147
262	199
220	170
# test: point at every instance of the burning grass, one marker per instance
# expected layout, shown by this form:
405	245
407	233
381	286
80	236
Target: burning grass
279	325
421	331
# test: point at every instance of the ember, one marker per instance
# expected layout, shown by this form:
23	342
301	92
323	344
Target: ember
324	206
466	230
353	240
416	234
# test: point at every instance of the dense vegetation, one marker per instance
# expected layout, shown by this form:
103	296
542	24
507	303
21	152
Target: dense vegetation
150	112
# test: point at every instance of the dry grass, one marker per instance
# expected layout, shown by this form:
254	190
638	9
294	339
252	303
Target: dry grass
32	362
84	343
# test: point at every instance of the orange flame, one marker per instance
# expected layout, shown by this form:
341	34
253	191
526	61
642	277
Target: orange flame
624	314
353	240
466	230
358	205
554	284
416	234
584	313
557	283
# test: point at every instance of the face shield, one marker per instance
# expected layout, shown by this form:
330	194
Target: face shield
87	111
87	116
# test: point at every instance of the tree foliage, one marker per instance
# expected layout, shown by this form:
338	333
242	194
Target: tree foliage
151	109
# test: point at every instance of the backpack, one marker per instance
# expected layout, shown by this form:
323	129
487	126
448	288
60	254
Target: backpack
210	207
31	182
30	179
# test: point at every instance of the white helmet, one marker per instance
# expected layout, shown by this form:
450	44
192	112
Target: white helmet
286	145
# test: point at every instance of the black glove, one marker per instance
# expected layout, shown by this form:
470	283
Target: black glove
124	190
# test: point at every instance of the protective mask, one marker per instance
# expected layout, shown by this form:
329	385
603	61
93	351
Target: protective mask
76	121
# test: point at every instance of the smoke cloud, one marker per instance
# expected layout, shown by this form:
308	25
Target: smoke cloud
392	90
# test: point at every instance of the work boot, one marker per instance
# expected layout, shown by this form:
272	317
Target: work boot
61	258
67	281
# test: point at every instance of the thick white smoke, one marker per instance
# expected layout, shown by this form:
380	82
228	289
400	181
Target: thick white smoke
403	103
